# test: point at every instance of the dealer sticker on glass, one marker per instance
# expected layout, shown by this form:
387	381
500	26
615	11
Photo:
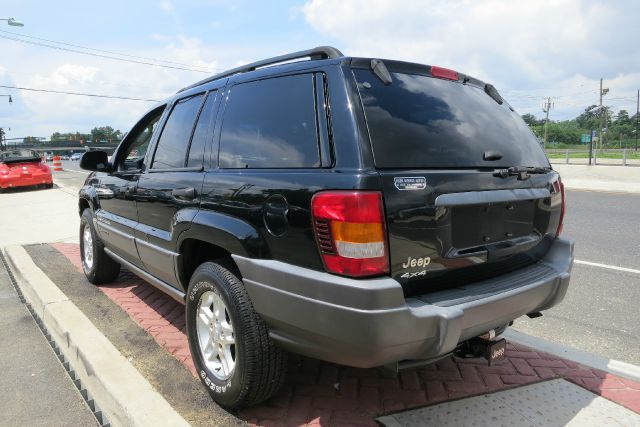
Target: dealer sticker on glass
410	182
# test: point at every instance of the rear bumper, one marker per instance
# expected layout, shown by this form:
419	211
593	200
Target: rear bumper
11	181
366	323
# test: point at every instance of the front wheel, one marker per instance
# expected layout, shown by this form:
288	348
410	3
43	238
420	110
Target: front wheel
96	264
230	345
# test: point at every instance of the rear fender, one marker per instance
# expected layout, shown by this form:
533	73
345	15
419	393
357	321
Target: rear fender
231	234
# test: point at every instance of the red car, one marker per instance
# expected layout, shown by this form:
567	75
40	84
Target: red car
23	168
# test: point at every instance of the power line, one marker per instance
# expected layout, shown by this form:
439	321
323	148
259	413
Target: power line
108	51
80	94
102	56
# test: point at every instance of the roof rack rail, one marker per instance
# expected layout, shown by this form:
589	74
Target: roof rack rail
320	52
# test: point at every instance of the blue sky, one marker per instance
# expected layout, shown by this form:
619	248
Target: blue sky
529	50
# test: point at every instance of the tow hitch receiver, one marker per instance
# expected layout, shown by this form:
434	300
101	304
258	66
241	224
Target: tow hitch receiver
495	351
492	350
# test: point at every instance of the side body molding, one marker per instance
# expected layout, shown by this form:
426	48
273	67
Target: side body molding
233	235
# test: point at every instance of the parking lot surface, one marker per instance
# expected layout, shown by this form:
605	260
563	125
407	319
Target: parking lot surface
315	392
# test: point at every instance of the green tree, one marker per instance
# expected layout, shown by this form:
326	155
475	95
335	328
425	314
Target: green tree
565	132
531	120
622	118
105	133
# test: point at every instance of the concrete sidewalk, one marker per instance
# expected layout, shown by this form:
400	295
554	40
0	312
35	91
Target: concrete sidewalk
549	403
600	178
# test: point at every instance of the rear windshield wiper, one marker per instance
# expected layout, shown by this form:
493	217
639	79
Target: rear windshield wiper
522	172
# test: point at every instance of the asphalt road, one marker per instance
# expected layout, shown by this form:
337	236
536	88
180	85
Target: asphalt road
600	312
72	176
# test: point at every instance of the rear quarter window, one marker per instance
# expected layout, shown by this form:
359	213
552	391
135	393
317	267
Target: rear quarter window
424	122
270	123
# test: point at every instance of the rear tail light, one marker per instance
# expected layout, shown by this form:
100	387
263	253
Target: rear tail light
563	207
444	73
349	229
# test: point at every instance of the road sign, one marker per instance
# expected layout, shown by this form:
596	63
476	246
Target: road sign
585	138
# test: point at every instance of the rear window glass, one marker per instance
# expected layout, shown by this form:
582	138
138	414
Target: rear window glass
424	122
19	155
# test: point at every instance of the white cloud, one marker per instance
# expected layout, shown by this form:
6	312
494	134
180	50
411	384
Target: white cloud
40	114
537	47
167	7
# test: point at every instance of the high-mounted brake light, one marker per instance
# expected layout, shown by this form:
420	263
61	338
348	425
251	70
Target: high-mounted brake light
444	73
349	229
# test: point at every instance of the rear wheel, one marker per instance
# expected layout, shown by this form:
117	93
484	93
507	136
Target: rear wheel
96	264
230	345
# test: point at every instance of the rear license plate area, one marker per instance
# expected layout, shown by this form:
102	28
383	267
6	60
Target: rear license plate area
484	224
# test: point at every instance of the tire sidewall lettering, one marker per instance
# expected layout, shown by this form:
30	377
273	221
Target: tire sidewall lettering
212	386
200	286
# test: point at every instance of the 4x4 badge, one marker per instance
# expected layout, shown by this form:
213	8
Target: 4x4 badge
410	182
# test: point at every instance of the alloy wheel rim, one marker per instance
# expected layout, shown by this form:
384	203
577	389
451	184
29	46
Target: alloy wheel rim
216	336
87	247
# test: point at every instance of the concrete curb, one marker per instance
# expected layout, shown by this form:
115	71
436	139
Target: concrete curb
616	367
121	392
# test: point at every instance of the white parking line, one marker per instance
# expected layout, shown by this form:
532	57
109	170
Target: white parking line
610	267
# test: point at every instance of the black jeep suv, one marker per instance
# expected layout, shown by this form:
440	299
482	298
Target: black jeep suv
361	211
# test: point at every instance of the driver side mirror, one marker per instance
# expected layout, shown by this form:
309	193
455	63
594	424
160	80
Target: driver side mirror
97	161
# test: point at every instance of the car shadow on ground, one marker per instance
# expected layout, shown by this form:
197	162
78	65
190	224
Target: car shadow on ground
13	190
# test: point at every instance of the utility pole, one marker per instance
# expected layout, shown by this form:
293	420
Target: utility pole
545	108
637	114
600	132
1	139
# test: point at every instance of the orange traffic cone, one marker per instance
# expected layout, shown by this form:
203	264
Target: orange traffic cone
57	163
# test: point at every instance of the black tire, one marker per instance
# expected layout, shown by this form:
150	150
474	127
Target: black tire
103	269
48	185
260	366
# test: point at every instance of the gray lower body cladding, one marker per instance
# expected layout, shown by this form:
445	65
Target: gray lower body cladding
366	323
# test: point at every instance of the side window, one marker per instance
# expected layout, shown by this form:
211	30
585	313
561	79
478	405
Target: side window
270	124
207	114
134	153
171	151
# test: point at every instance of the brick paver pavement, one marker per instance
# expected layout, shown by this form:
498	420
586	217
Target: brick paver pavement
321	393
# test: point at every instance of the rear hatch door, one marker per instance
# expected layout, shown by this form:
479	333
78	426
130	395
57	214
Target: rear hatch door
468	191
